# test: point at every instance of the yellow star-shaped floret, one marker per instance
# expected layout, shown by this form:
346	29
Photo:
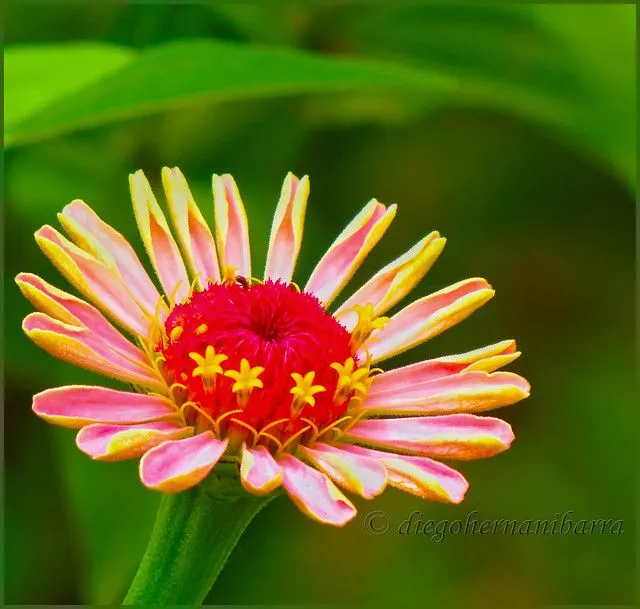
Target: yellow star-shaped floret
366	324
304	390
208	367
246	379
350	380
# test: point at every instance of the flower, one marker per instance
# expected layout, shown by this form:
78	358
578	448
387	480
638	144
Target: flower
224	367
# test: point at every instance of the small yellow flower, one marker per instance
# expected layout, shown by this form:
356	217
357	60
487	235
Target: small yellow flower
366	324
304	390
246	379
208	367
350	380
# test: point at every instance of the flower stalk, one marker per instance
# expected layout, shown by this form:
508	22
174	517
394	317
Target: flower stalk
194	534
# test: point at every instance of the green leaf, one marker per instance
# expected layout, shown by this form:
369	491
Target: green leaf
178	74
37	76
569	67
602	43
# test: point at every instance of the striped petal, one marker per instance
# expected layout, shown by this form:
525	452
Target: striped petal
427	317
355	473
314	493
119	442
419	476
454	436
473	391
158	240
177	465
232	229
193	232
78	405
348	251
394	281
96	237
286	230
259	472
82	347
488	359
100	284
71	310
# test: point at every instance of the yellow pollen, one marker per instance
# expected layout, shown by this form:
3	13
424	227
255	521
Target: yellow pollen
350	380
229	274
208	366
366	324
246	379
176	333
201	329
304	391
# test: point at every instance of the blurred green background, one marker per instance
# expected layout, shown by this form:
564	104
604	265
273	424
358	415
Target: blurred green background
509	128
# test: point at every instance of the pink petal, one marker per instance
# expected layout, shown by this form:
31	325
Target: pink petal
177	465
158	240
81	347
348	251
259	472
419	476
192	229
78	405
119	442
488	358
232	230
394	281
286	230
473	391
454	436
75	312
315	494
105	243
100	284
355	473
427	317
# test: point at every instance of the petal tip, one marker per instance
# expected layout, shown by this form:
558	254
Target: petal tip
508	435
21	279
44	233
457	498
138	182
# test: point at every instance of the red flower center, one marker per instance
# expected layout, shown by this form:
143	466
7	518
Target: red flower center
240	350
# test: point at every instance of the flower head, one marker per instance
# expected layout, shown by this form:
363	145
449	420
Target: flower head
259	372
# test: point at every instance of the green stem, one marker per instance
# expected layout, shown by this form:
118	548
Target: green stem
191	540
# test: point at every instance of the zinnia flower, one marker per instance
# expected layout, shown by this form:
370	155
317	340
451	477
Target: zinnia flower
224	367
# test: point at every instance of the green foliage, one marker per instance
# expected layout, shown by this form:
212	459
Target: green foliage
38	76
543	62
536	62
180	74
